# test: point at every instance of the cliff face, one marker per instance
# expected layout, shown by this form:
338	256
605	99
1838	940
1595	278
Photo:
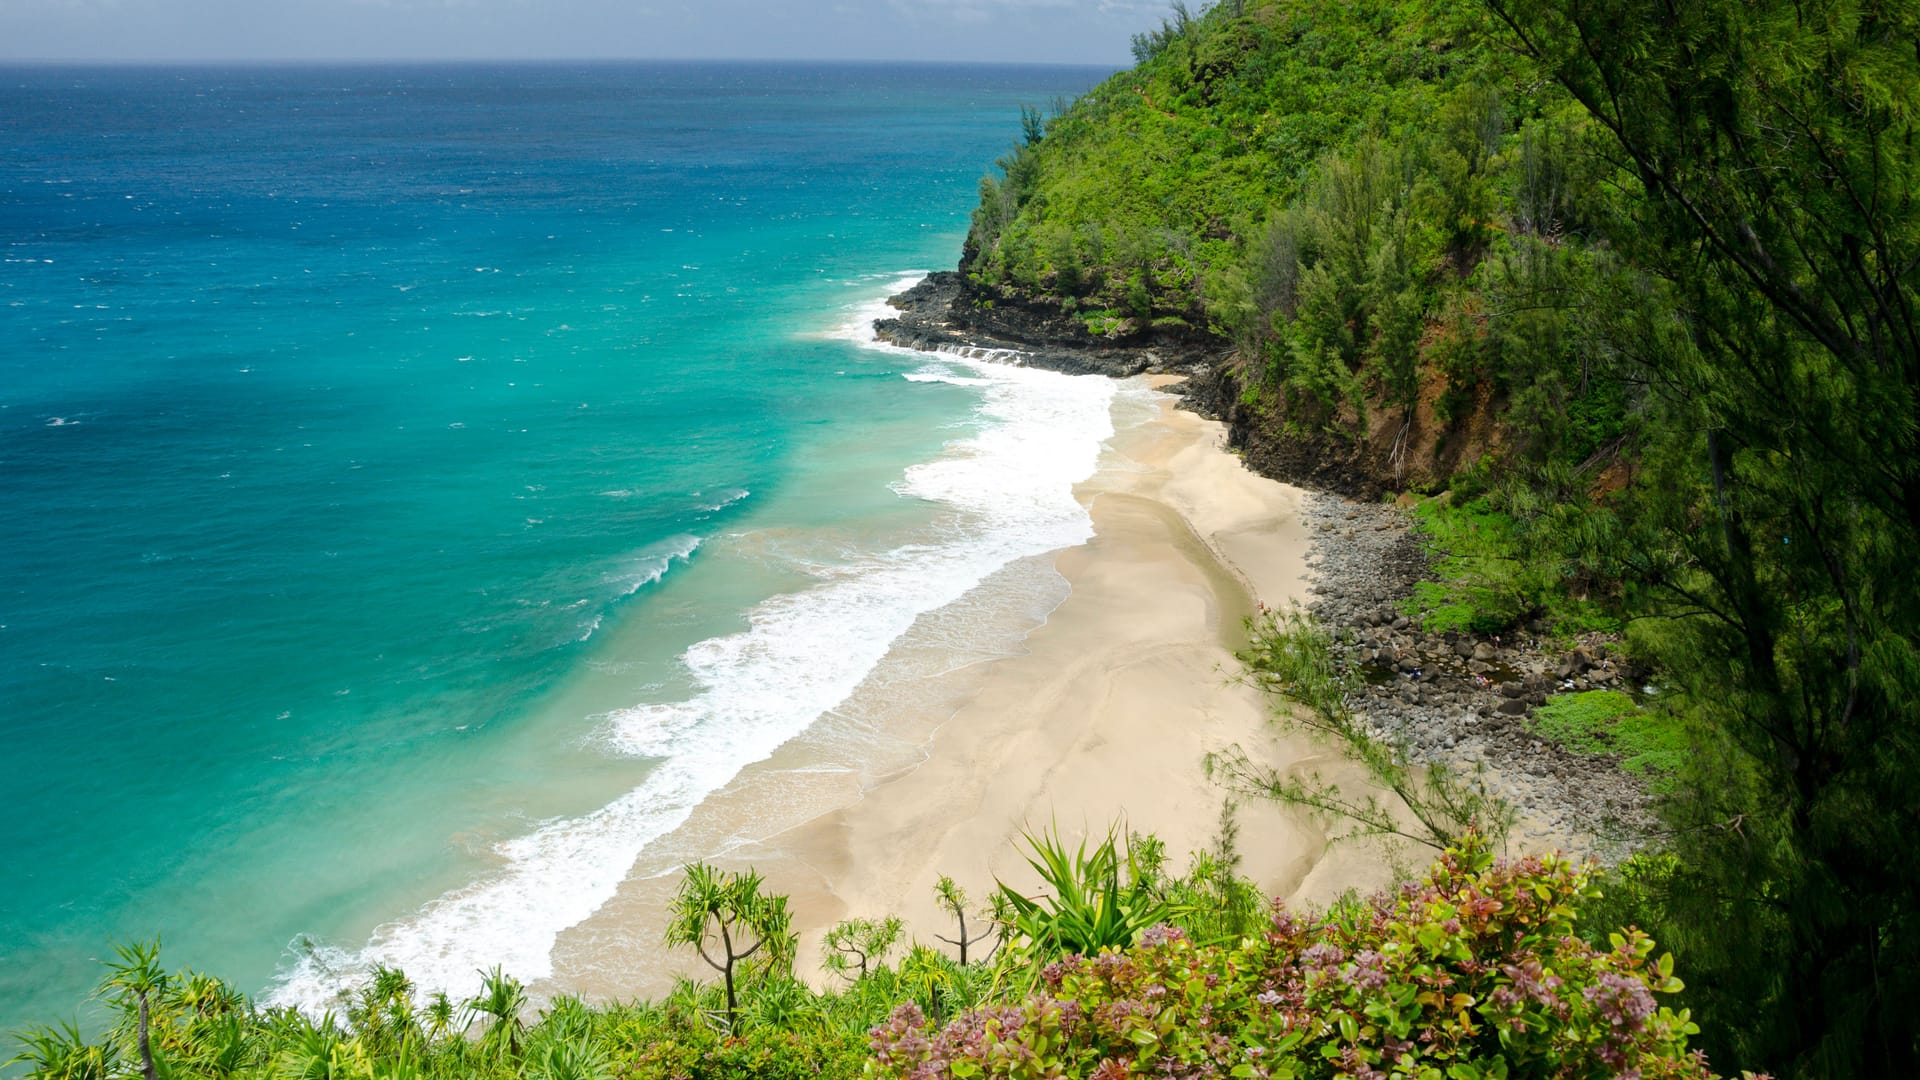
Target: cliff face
1388	450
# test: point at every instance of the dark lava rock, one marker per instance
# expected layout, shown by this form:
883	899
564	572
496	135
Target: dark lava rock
942	315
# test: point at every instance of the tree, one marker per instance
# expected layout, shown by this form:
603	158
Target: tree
727	910
860	943
1775	234
133	981
384	1012
1291	657
438	1016
953	899
1033	125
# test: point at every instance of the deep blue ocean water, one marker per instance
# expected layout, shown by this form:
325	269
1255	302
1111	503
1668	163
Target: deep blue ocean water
415	479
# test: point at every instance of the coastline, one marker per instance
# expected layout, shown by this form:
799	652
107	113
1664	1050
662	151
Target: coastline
1106	719
1102	718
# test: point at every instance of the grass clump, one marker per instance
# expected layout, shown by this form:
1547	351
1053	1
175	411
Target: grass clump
1650	742
1491	575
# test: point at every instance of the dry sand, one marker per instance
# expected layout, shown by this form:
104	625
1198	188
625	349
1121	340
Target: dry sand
1104	720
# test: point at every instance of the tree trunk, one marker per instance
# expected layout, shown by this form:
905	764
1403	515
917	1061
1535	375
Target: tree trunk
726	974
146	1049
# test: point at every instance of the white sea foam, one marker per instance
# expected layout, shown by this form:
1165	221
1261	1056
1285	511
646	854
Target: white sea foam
1003	493
723	499
857	325
653	563
942	375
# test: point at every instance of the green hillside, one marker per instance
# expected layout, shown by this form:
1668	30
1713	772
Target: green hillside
1634	289
1367	202
1161	177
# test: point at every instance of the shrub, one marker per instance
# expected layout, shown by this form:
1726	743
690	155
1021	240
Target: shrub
1474	972
1290	656
758	1053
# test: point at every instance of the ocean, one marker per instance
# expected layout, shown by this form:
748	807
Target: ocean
424	485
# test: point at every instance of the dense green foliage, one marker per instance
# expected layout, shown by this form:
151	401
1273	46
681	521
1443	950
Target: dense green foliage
1480	970
1489	577
195	1026
1779	503
1672	252
1363	197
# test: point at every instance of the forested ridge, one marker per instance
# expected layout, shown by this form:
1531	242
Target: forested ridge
1623	294
1630	286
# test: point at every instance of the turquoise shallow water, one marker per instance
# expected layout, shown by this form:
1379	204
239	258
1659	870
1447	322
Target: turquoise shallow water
402	465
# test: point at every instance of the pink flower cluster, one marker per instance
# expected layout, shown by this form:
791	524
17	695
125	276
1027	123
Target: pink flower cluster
1477	964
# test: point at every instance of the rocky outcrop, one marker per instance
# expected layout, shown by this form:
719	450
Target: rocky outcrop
1274	449
941	315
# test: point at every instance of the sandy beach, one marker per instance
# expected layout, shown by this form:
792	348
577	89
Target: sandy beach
1103	720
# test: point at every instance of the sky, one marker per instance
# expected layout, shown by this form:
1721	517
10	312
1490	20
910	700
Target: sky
1040	31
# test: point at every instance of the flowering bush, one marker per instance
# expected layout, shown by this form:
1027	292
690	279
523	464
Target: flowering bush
1475	972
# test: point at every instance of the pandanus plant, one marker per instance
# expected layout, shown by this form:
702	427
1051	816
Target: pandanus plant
953	900
502	1000
857	945
61	1051
568	1059
1090	907
931	978
133	982
724	917
384	1013
312	1050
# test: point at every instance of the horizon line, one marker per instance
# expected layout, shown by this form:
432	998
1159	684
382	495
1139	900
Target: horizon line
289	61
